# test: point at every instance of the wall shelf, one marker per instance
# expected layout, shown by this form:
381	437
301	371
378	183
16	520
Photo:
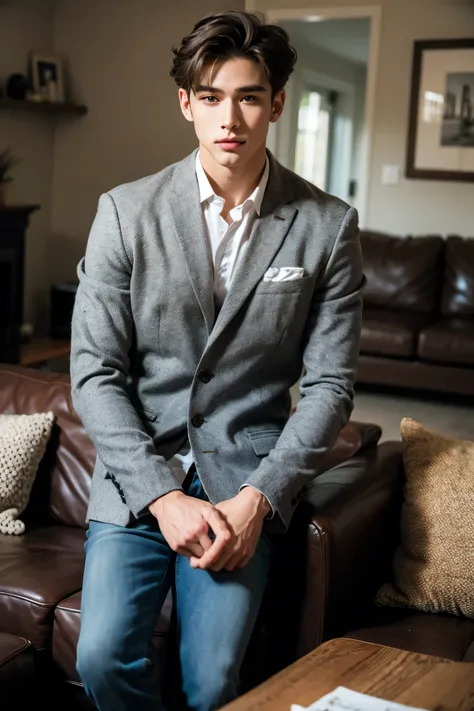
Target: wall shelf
41	107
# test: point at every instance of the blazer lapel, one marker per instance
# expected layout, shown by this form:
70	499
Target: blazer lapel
268	233
188	223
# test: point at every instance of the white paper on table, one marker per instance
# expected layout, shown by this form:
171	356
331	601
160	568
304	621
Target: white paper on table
343	699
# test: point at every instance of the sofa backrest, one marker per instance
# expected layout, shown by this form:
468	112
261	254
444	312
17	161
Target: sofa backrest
458	290
402	273
62	485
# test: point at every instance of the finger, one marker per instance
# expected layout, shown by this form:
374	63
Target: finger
223	535
185	552
244	561
217	522
214	552
204	541
235	561
239	560
193	548
223	560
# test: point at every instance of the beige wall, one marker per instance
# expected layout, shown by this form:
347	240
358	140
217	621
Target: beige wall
414	206
28	25
120	54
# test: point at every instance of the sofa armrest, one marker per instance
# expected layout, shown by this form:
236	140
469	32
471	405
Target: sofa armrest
353	439
354	517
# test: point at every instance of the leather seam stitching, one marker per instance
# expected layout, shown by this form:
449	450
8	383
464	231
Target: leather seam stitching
28	600
35	380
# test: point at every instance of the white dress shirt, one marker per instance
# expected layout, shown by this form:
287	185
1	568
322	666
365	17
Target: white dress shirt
227	244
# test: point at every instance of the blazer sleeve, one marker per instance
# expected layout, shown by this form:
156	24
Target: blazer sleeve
330	354
102	328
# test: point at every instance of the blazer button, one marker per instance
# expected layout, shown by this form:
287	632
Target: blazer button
197	420
205	376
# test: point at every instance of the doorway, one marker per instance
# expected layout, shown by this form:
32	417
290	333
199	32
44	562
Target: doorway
326	131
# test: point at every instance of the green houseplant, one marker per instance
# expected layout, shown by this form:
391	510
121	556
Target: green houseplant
7	162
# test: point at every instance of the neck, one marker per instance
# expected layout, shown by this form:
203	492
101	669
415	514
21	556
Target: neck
235	185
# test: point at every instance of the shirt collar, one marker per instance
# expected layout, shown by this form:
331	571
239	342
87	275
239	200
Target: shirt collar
206	192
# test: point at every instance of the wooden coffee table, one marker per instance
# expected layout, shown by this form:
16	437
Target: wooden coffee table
413	679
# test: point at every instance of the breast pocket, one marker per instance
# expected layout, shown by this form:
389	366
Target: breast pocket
295	286
279	309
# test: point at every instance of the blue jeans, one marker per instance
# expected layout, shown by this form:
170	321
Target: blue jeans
128	573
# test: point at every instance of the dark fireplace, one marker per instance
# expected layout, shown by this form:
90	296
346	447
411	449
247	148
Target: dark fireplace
13	224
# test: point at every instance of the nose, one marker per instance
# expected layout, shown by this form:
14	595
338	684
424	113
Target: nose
230	116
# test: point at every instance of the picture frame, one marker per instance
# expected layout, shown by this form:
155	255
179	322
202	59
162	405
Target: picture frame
441	119
47	76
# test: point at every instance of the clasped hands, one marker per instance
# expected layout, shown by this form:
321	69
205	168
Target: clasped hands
236	523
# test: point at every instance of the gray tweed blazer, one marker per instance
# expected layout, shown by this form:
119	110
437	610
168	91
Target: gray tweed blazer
152	364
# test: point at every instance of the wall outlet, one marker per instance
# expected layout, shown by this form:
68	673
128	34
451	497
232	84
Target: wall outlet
390	174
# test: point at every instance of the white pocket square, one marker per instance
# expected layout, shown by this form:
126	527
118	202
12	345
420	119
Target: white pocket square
283	273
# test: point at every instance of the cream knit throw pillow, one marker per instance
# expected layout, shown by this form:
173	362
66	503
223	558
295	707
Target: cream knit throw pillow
433	568
23	440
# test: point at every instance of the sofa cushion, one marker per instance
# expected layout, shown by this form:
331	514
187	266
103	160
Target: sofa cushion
67	618
391	333
448	341
422	632
433	567
38	570
62	485
458	288
402	273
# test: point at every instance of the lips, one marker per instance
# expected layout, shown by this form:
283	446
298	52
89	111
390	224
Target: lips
230	143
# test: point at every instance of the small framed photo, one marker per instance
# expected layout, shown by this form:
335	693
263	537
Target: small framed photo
441	123
47	76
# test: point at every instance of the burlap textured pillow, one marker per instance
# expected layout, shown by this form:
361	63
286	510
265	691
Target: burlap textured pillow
433	568
23	440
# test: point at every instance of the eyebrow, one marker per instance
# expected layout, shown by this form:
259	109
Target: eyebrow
252	89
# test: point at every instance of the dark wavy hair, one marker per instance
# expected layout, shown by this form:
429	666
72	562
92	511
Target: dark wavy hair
225	35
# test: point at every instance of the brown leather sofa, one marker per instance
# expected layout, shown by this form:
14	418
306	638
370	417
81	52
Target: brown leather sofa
16	673
363	528
41	571
418	322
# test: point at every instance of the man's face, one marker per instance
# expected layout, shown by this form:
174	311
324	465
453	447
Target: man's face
231	110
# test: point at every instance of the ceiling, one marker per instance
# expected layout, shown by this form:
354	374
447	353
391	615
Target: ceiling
348	38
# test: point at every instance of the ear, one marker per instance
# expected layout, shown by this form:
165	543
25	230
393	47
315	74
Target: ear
185	105
277	106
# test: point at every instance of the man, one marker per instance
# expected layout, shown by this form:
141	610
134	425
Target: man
205	291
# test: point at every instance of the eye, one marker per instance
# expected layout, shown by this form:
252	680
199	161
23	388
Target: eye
209	99
250	99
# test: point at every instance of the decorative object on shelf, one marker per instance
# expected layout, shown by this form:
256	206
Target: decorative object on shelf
7	162
441	122
47	77
17	85
26	332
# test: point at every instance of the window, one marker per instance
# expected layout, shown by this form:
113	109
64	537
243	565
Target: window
312	157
